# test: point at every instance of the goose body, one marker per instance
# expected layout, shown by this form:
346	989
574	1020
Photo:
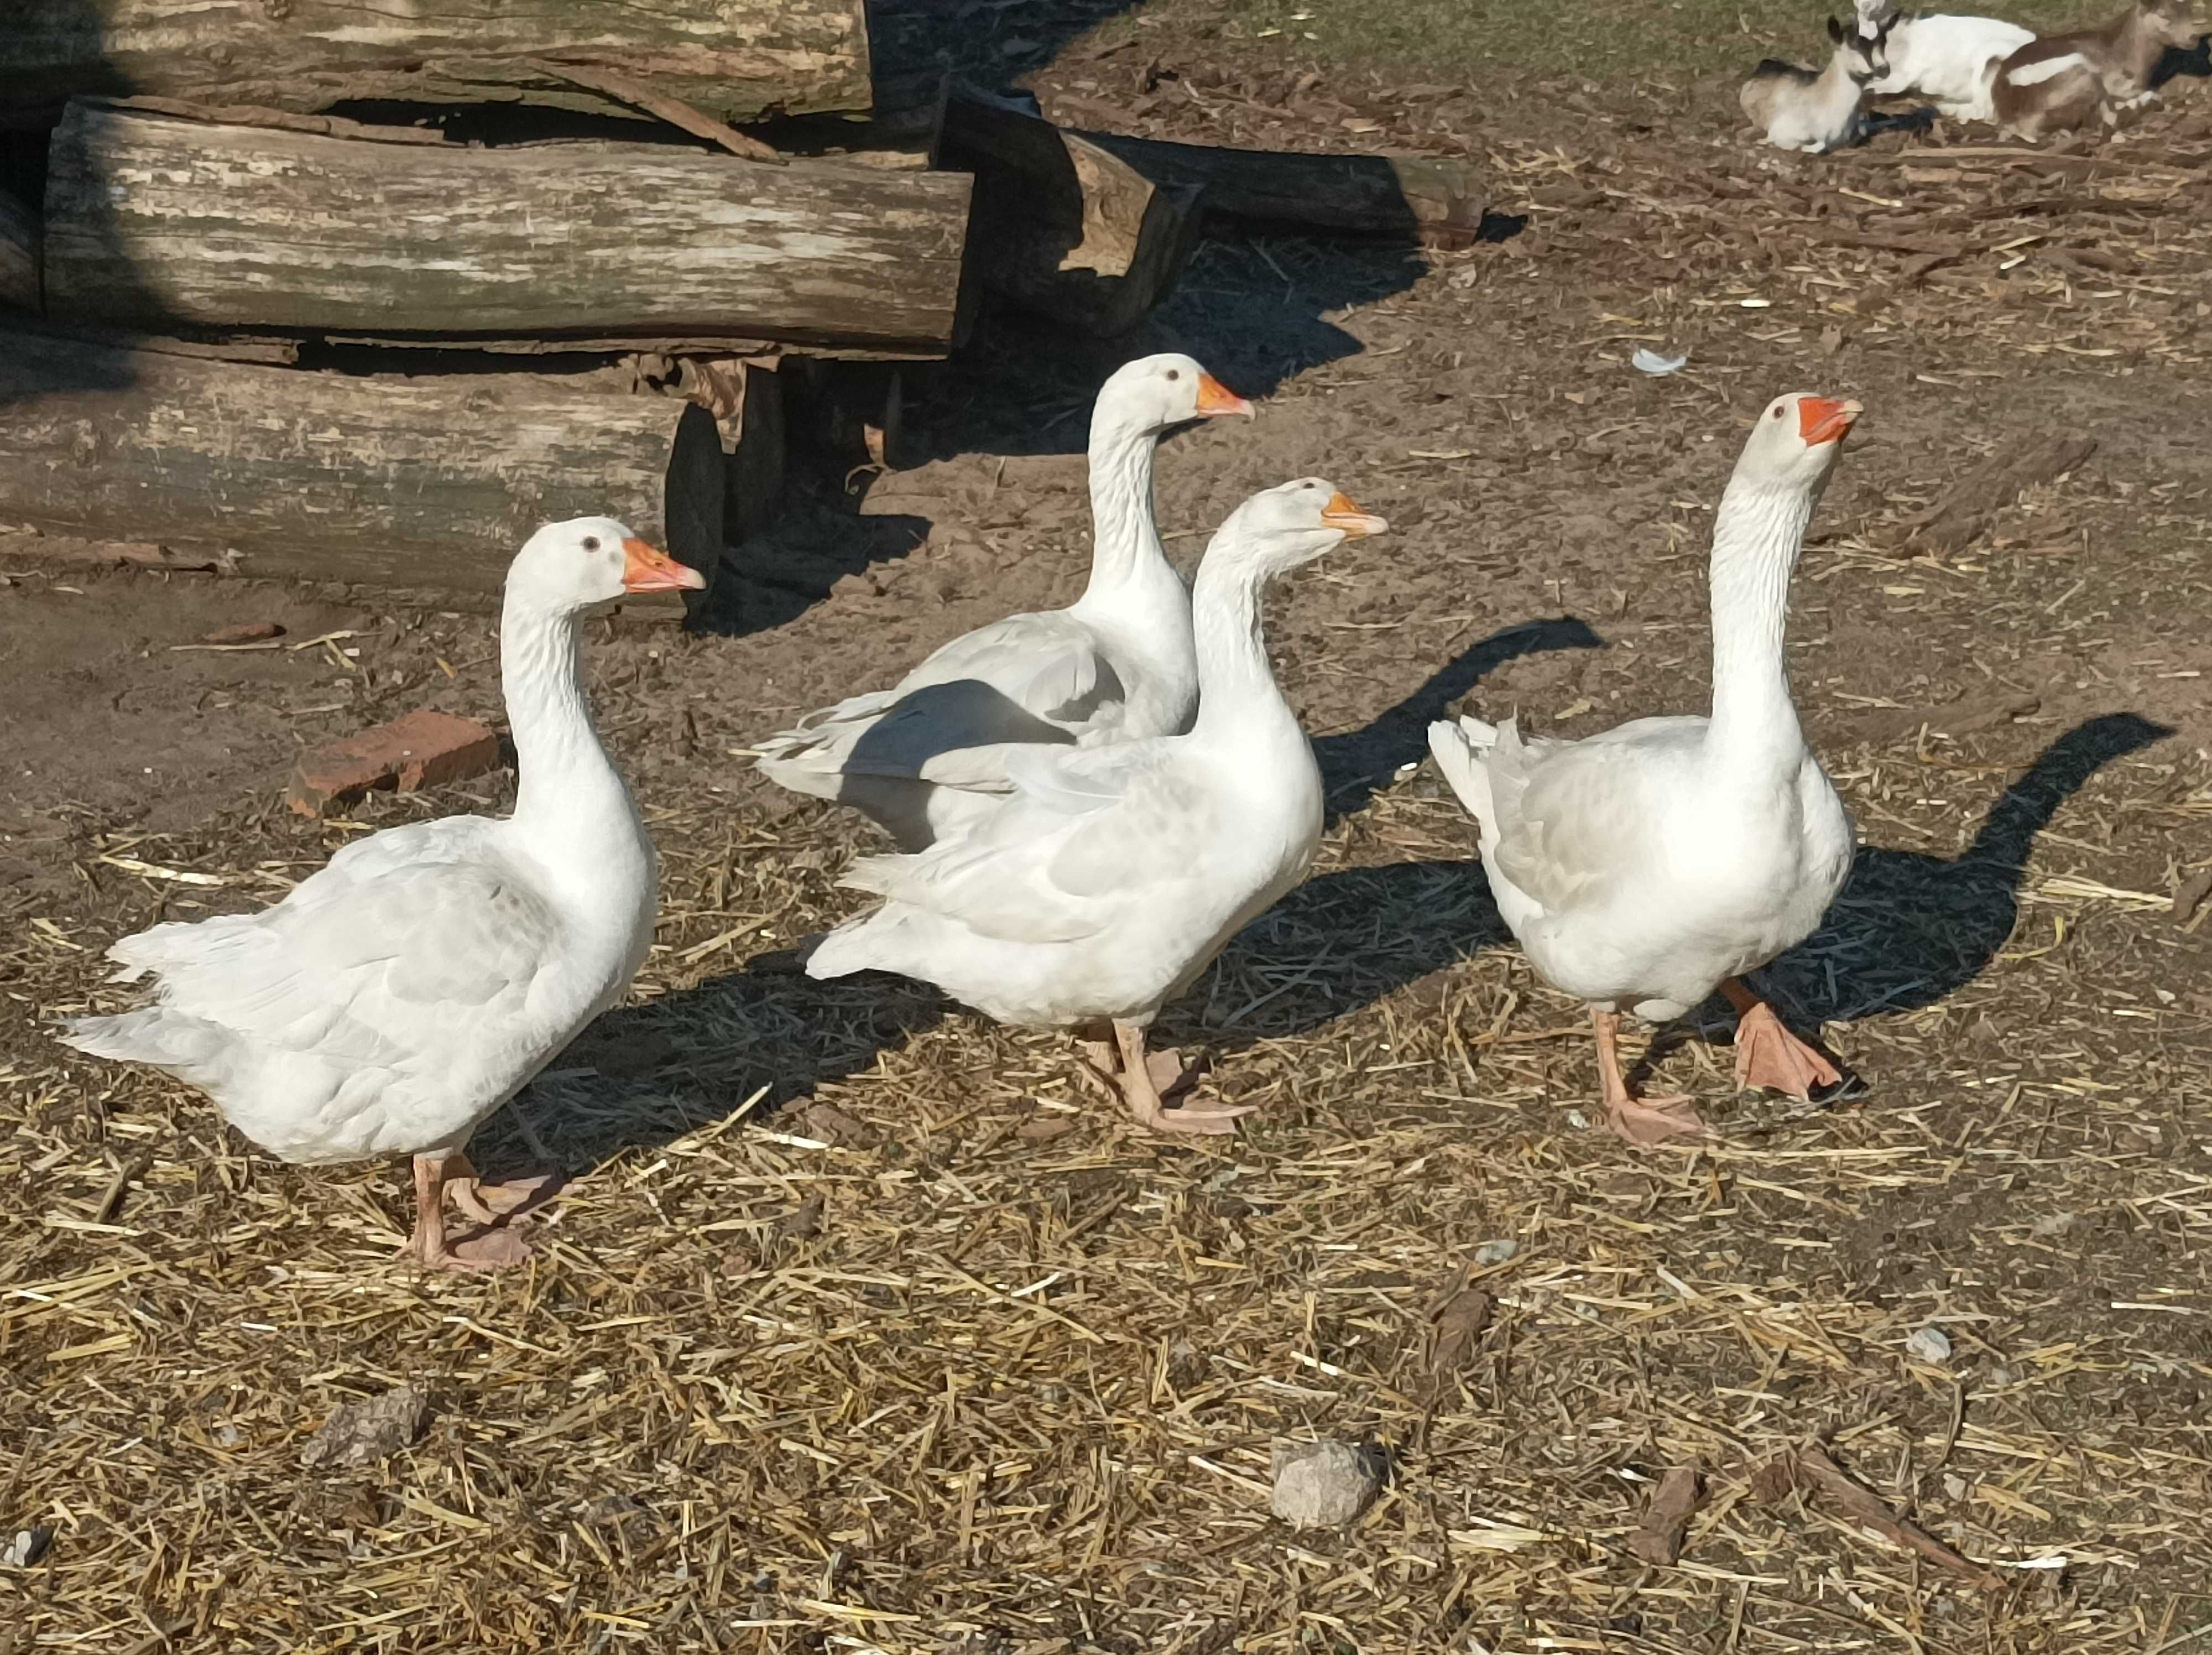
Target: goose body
404	991
1111	877
1644	868
926	757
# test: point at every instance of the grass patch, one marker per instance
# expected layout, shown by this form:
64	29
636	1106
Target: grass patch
1599	40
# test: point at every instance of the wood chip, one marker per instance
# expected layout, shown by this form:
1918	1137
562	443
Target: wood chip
1658	1538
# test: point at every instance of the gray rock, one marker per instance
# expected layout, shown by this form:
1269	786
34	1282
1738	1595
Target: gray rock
363	1433
1496	1252
1324	1485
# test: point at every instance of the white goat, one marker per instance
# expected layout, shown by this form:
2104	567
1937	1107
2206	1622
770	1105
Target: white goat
1799	109
1950	60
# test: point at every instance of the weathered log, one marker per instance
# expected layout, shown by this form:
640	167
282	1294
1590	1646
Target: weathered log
736	60
1064	226
152	221
378	479
19	253
1390	198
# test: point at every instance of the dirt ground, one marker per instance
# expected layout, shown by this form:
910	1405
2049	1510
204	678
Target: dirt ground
861	1326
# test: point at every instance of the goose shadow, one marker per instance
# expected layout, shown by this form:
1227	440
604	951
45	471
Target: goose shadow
1356	764
1910	929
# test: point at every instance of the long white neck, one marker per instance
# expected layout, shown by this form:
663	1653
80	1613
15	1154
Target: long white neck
571	808
1239	702
1126	557
1756	536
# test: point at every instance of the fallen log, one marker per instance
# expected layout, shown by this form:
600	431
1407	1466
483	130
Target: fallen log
1063	226
154	220
735	60
1429	198
380	479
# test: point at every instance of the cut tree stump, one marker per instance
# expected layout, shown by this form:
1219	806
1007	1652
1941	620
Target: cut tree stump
736	60
1064	226
377	479
156	220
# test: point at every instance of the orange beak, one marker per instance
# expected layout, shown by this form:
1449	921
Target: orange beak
645	569
1340	514
1215	400
1826	419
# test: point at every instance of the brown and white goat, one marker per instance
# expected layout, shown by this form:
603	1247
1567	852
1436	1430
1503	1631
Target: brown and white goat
1816	111
2064	81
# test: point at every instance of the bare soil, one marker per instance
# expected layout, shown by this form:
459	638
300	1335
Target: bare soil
862	1326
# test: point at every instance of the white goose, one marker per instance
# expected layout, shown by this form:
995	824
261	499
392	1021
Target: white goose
1114	874
1644	868
402	992
927	756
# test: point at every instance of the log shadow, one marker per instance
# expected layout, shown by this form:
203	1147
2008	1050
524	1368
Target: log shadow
2196	62
1355	764
1254	311
815	538
26	135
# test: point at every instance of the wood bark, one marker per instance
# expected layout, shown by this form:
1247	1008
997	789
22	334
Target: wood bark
378	479
1064	226
1393	197
736	60
154	221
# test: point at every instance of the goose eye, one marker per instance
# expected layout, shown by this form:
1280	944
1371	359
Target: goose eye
1777	410
1174	373
591	543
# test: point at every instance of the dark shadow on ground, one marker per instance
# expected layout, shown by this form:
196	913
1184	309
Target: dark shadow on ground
1912	930
1356	764
1909	930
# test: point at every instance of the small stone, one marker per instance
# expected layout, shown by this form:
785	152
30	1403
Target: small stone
2054	1223
1577	1120
28	1546
1954	1485
1929	1345
1496	1252
363	1433
1324	1485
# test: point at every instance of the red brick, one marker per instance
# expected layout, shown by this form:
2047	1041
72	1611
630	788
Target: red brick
422	750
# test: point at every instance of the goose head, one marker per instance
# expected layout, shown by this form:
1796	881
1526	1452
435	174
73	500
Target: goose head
1796	439
1154	392
1290	524
566	567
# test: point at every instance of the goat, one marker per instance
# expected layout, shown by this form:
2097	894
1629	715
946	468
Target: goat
1799	109
1951	60
2064	81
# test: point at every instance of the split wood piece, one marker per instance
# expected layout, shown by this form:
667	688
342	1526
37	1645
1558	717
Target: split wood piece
1063	226
1658	1538
19	253
1408	198
377	479
1953	523
745	396
676	112
1810	1471
735	60
155	221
